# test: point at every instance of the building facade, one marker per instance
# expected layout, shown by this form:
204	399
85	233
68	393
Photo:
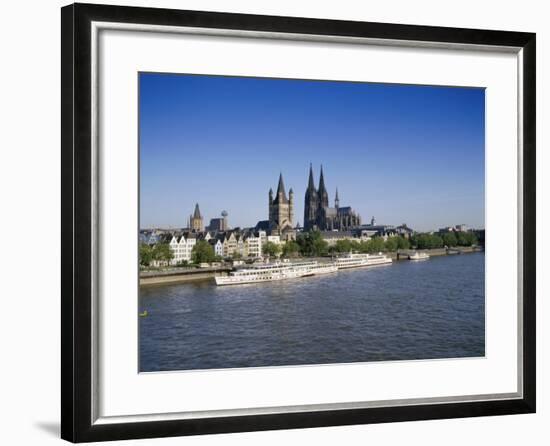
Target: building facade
332	237
319	215
181	246
252	245
217	245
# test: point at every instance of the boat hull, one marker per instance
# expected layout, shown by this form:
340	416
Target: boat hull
241	280
418	257
364	264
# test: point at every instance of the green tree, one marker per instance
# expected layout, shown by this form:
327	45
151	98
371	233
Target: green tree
161	252
364	246
437	241
391	244
427	241
403	243
203	252
145	254
344	246
466	239
376	244
271	249
449	239
320	247
291	249
312	244
472	237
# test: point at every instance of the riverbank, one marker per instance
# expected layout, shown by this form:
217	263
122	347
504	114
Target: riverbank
403	255
182	275
179	275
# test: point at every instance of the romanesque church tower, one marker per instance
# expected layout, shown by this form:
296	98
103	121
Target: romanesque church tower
281	208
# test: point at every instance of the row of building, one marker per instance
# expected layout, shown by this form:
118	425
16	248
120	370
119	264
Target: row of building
242	243
250	242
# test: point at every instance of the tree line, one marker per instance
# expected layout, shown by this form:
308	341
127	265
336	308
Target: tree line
449	239
159	252
312	244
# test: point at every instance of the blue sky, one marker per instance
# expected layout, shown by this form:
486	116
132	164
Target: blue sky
402	153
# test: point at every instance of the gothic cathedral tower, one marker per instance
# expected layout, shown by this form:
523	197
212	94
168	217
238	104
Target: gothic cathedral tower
323	194
319	215
311	203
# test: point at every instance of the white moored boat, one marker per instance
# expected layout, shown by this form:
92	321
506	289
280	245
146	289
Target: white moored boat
352	260
276	271
419	256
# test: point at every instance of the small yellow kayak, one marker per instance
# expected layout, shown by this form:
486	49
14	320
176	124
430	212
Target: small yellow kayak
143	314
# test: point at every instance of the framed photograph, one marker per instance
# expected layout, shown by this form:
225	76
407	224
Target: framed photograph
276	222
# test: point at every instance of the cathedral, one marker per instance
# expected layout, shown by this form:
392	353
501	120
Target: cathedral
318	214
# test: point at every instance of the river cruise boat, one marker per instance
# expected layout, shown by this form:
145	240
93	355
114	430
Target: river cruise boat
276	271
353	260
419	256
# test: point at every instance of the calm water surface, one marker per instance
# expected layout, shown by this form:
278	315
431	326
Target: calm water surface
408	310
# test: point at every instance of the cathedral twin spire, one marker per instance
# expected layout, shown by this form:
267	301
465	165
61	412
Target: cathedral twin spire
321	194
311	183
317	212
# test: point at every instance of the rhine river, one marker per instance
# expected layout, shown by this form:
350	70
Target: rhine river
408	310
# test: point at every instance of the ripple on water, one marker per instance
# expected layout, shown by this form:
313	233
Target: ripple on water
409	310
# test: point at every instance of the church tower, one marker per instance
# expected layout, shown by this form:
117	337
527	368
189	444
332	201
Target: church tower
291	206
270	204
281	208
196	221
311	203
323	194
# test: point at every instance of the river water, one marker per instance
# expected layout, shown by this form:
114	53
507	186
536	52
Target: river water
408	310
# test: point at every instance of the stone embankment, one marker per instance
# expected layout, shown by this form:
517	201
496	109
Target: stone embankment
178	275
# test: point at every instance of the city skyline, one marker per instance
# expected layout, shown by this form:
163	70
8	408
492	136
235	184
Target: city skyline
403	154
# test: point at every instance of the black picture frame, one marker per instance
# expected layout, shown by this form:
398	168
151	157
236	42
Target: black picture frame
76	218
